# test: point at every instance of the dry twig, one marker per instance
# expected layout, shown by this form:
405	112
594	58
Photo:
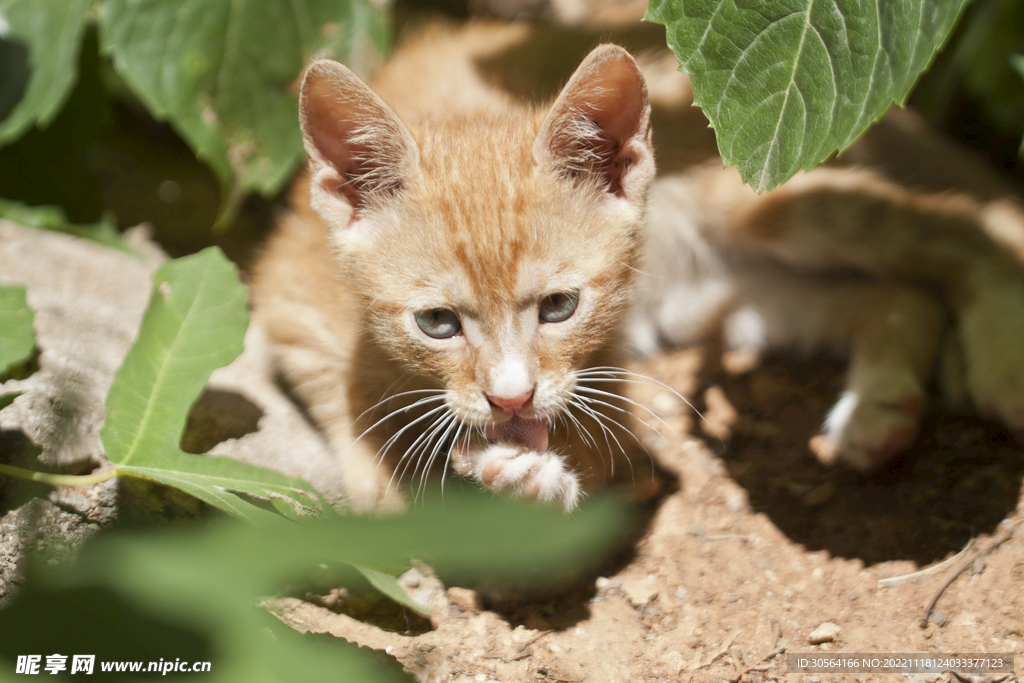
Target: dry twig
720	653
762	665
934	569
1002	537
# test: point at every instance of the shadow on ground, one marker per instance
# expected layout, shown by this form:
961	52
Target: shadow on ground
960	479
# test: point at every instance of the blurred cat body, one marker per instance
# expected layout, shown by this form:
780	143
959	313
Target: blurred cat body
541	240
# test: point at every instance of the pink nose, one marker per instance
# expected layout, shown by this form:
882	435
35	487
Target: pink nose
513	403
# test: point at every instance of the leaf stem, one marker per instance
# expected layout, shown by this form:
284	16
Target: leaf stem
59	479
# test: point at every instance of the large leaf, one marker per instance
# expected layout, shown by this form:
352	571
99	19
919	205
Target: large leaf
16	337
52	33
785	83
223	72
192	593
195	323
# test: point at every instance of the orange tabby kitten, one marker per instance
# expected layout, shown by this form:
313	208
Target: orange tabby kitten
471	280
483	262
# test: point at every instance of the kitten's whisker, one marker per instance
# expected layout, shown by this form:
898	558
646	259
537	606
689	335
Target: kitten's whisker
448	456
441	424
581	430
598	416
438	444
414	455
609	373
599	392
383	451
437	393
597	401
627	399
595	416
412	406
635	269
410	454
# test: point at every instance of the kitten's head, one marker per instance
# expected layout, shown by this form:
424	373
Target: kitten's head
496	252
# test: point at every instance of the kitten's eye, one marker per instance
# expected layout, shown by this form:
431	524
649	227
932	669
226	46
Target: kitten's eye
558	307
439	323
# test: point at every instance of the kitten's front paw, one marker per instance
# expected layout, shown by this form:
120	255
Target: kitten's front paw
503	467
867	429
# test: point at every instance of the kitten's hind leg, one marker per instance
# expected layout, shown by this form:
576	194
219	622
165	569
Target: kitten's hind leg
895	337
990	327
891	332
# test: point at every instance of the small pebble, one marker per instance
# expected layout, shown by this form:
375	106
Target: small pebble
825	633
640	592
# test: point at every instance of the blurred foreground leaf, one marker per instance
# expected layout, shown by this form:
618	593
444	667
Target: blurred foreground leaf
191	593
785	83
194	324
223	73
16	337
52	33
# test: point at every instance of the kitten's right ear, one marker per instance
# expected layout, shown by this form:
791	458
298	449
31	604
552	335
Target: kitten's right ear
357	146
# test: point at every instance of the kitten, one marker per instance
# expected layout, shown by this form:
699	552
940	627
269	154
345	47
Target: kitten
484	265
462	298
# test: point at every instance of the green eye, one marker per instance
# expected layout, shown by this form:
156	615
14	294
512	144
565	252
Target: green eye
439	323
558	307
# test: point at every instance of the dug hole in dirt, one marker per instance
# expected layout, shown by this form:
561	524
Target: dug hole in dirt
758	551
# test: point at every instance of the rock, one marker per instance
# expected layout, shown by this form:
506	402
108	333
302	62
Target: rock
88	301
425	589
464	598
825	633
604	585
640	592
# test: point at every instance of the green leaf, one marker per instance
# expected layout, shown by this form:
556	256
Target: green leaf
8	398
53	218
195	323
192	593
16	338
785	83
52	32
223	72
388	585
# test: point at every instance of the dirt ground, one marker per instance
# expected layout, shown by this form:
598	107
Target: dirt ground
758	551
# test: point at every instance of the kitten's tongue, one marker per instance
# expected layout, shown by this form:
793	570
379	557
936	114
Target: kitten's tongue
530	433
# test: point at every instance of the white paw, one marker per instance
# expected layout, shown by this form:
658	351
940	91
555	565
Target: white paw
992	336
543	476
866	429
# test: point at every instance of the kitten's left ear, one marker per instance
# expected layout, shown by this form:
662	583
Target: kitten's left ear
600	125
